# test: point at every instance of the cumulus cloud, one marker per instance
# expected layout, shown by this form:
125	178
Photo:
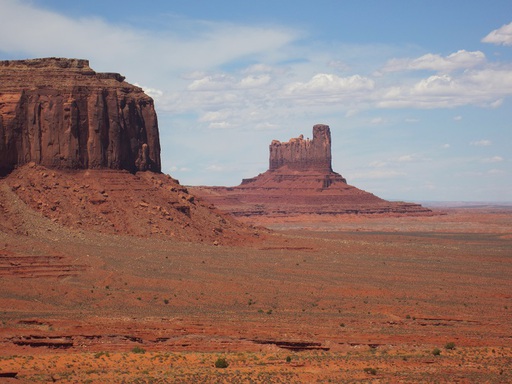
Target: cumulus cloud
500	36
253	81
212	83
437	84
325	84
459	60
215	116
483	87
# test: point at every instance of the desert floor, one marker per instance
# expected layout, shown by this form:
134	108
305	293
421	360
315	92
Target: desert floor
356	299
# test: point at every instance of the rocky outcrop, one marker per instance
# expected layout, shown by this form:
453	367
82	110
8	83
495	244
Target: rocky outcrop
300	181
61	114
299	154
309	160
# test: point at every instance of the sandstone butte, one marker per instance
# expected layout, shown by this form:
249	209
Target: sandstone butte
82	148
300	181
60	113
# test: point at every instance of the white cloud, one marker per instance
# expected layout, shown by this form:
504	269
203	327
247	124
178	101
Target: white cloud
459	60
329	84
378	164
494	159
377	121
437	84
146	53
481	143
174	168
496	104
220	125
180	70
457	118
266	126
254	81
500	36
406	159
217	82
215	116
445	146
338	65
483	87
156	94
215	168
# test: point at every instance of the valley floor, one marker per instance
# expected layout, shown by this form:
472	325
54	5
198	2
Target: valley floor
355	300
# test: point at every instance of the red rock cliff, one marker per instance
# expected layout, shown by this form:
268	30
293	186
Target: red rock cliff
300	154
61	114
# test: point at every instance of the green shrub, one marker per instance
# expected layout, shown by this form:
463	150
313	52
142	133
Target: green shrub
138	350
221	363
288	359
450	345
436	352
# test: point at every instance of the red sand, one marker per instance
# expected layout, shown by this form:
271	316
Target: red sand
342	301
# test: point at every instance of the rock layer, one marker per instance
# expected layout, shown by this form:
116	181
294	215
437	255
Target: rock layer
299	154
61	114
300	181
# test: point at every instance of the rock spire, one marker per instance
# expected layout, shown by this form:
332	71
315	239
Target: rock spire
300	154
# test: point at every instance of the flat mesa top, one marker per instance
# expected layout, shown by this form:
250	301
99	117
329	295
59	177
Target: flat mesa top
52	72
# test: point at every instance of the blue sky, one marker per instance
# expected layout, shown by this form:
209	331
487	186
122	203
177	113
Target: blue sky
417	93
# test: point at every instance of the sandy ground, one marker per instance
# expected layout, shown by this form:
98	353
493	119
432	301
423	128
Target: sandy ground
351	300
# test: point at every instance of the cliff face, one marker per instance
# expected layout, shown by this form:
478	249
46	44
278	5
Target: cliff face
300	154
61	114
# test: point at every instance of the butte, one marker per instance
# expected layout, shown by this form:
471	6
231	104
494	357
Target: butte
300	181
81	149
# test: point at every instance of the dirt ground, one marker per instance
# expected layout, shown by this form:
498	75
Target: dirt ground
352	299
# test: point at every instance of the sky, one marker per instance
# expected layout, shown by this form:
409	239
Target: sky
418	94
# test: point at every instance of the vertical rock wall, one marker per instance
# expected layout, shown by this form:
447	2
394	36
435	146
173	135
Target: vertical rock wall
60	113
300	154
